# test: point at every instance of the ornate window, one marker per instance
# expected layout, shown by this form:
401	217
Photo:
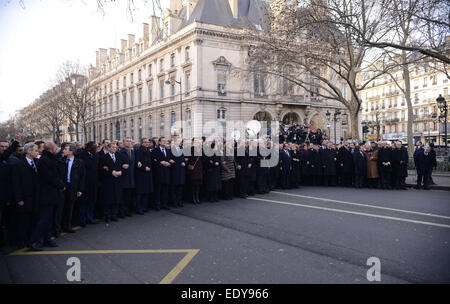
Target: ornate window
222	67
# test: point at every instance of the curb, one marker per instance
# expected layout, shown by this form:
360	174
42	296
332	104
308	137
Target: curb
432	187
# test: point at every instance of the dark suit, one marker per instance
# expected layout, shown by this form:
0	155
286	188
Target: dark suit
89	197
128	182
111	191
143	179
161	177
50	195
178	179
244	173
385	156
425	163
5	190
315	163
285	166
399	167
25	189
329	172
77	182
345	160
359	160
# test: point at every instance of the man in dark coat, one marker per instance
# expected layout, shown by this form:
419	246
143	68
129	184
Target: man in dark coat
51	188
25	194
128	183
87	202
111	175
296	169
385	162
161	174
253	155
399	165
315	163
178	175
329	163
285	167
345	160
263	172
75	181
243	165
360	165
144	176
304	165
61	165
424	165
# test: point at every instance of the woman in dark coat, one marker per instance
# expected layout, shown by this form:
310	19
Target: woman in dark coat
304	164
296	168
253	156
143	176
213	179
195	172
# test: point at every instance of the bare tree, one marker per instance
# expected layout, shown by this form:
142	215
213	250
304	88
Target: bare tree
77	96
52	114
313	45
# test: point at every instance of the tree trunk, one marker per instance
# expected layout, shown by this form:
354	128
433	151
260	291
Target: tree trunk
407	93
354	125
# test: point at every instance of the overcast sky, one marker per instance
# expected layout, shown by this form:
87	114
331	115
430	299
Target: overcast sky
37	38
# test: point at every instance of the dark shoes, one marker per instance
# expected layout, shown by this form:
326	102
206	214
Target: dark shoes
69	231
34	248
50	244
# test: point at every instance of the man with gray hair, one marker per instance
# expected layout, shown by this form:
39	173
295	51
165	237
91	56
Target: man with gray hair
25	194
75	177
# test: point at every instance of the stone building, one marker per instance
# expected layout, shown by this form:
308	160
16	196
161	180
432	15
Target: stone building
384	105
200	45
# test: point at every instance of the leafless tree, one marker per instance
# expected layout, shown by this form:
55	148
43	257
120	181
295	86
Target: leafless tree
77	96
53	115
313	44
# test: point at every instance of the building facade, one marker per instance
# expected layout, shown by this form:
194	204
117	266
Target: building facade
192	63
385	112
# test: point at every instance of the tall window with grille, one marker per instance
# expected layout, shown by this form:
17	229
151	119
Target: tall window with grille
259	86
187	122
132	128
149	70
117	102
105	131
111	131
150	91
161	124
150	126
187	53
139	75
161	65
124	128
131	78
131	98
172	122
221	81
124	99
139	128
172	89
140	96
161	88
124	81
172	60
187	82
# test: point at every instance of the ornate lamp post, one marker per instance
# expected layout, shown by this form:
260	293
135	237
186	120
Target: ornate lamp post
335	119
328	122
442	104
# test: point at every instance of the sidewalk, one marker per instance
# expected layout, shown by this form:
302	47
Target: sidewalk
441	179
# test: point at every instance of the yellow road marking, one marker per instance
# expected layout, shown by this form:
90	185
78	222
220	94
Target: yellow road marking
179	267
190	253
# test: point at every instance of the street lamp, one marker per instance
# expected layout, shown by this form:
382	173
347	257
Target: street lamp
328	122
442	104
433	116
181	103
336	118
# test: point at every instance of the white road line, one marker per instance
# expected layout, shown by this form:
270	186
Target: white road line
351	212
363	205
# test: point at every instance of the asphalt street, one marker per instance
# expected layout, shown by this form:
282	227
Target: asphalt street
306	235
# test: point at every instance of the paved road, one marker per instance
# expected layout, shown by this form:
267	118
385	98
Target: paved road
307	235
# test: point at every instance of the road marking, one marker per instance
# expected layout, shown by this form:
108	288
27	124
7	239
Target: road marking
179	267
351	212
364	205
190	253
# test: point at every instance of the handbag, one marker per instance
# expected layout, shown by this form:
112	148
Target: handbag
191	167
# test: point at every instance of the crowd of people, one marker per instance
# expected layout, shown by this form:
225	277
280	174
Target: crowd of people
46	190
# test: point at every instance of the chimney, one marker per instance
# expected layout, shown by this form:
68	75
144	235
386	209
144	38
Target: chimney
175	6
130	41
145	31
154	27
97	59
103	55
112	53
234	7
190	5
123	45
